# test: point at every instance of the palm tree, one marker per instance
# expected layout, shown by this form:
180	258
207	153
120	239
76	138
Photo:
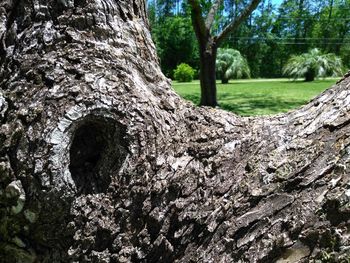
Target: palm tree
231	64
313	64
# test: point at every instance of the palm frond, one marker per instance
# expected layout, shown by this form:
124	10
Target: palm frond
314	62
231	64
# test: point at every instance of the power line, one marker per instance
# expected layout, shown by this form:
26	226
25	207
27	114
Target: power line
314	19
282	40
303	43
288	38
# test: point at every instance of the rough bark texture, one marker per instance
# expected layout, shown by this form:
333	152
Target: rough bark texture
100	161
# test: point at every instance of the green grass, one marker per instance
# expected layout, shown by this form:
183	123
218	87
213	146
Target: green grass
258	96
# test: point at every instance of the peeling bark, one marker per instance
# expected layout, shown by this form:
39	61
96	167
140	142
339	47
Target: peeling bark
100	161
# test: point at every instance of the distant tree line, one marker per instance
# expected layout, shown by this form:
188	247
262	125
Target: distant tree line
267	39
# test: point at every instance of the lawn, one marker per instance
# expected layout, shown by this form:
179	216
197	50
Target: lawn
259	96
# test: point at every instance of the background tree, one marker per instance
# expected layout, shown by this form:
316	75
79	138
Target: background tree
209	40
272	33
333	29
174	37
313	64
231	64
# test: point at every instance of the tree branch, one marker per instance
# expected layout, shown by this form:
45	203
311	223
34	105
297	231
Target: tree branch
197	19
211	16
235	23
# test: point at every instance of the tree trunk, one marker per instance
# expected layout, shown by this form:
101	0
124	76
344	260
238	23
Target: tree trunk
100	160
207	73
224	80
310	75
327	29
298	26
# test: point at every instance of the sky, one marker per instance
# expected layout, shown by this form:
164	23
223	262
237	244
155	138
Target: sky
277	2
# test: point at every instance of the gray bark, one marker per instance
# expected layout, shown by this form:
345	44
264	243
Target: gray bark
100	160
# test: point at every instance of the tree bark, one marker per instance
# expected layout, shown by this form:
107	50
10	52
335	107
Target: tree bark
100	160
207	74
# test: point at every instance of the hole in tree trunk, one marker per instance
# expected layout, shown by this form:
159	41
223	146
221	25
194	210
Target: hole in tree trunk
96	154
80	3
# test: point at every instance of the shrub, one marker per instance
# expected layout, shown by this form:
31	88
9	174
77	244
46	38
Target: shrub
184	73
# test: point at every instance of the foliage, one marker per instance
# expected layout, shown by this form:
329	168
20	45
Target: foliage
175	41
313	64
184	73
231	64
267	39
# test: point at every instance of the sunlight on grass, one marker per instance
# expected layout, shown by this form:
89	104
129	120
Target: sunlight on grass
259	96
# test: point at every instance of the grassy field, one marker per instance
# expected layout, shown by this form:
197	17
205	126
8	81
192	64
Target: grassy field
258	96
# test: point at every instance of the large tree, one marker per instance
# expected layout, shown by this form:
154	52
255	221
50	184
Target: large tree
209	40
100	161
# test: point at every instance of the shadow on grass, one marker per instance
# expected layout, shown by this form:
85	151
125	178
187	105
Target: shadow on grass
247	105
195	98
251	98
264	105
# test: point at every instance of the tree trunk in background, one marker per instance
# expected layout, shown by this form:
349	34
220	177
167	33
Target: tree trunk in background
209	43
207	74
310	75
299	26
224	80
327	30
100	161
